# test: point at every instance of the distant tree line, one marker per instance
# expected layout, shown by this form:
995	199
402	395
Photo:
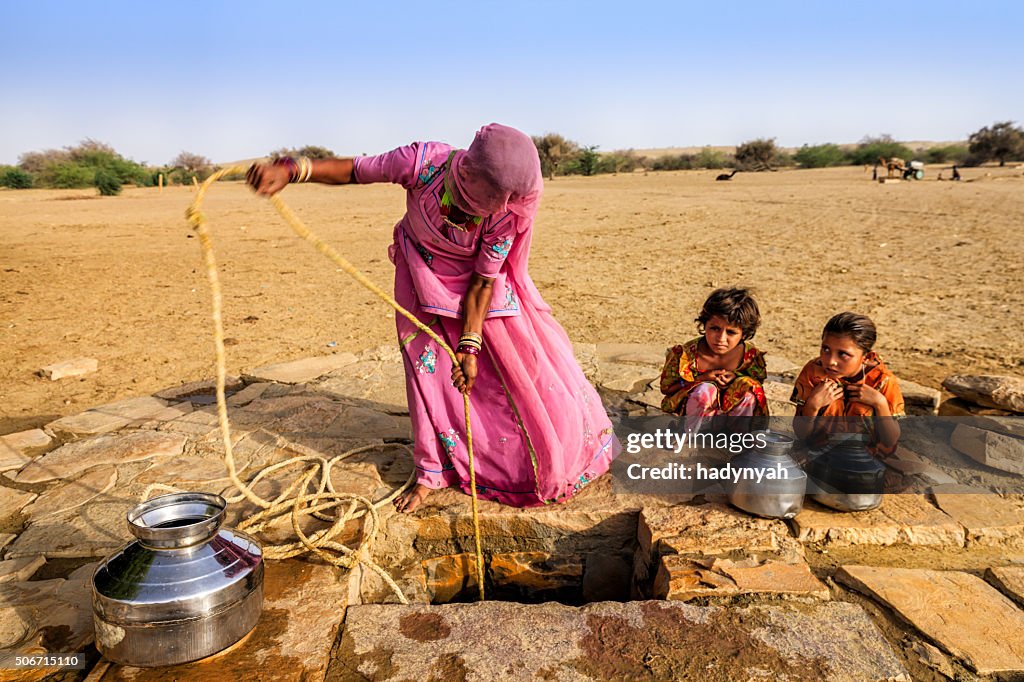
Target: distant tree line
95	164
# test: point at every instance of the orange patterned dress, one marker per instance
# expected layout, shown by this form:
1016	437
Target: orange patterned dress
679	378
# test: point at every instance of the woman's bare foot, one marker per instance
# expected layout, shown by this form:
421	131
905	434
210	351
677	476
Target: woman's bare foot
411	498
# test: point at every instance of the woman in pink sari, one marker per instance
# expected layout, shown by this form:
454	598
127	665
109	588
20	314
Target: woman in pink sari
540	432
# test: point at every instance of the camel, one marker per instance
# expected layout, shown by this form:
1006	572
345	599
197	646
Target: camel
727	176
894	165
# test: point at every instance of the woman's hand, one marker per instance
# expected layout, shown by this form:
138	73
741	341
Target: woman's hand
464	373
720	377
266	178
825	393
861	393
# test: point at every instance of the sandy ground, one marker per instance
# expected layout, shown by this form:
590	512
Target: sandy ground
624	258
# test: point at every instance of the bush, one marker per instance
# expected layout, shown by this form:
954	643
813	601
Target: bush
15	178
871	149
68	176
819	156
757	154
107	183
619	162
673	162
710	159
954	153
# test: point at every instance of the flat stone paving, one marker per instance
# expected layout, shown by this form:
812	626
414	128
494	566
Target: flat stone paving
769	609
641	640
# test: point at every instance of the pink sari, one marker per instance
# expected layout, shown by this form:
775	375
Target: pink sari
540	432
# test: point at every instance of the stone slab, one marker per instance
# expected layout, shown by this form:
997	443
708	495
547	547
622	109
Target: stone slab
607	640
619	376
908	519
69	368
377	376
1011	426
955	407
11	458
13	501
247	394
631	354
73	458
1010	579
586	358
304	605
683	578
962	613
94	529
300	371
712	530
992	449
72	494
132	408
196	424
6	539
20	570
919	399
194	388
29	443
86	423
988	519
988	390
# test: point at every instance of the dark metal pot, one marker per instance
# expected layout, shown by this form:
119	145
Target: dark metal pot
846	476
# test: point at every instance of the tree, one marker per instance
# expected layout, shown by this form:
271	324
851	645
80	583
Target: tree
309	151
757	154
553	150
589	160
1003	140
190	162
15	178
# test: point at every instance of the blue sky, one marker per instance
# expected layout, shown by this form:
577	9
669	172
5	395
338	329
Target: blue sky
233	80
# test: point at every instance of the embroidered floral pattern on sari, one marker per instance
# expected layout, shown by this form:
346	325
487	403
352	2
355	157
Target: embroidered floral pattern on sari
428	257
510	298
450	440
502	247
427	173
427	363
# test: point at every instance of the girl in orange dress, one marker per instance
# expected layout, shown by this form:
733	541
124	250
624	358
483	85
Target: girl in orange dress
721	371
848	388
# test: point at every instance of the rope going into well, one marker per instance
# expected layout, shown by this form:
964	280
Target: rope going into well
297	499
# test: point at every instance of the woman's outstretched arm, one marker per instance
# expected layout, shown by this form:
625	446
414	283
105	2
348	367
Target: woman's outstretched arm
269	178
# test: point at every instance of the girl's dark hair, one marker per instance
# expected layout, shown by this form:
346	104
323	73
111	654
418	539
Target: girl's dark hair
859	328
734	304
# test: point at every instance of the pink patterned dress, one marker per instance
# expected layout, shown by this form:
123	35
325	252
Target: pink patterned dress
540	432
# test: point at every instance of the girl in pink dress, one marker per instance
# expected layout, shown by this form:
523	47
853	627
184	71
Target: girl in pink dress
540	432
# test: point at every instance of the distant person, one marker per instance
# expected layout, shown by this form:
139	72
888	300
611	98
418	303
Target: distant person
956	173
540	431
720	372
848	386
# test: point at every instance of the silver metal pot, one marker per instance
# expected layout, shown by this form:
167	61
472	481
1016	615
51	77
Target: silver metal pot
185	589
778	498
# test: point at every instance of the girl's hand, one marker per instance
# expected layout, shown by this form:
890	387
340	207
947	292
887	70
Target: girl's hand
860	393
464	373
825	393
725	378
267	179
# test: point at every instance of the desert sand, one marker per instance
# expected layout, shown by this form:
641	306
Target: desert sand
625	258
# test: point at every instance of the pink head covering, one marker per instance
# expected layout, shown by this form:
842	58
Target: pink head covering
499	172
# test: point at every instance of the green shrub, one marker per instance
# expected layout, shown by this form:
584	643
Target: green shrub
819	156
871	149
954	153
673	162
15	178
68	176
711	159
107	183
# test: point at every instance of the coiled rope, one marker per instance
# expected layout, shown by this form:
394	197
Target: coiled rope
297	499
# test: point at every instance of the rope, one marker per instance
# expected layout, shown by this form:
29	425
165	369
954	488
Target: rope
312	493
